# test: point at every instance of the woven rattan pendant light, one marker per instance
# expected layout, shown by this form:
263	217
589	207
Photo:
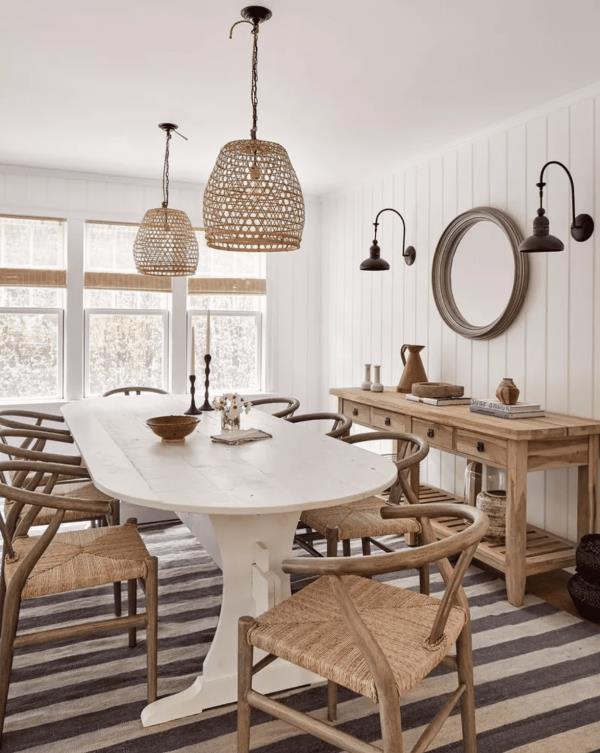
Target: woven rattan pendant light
165	243
253	200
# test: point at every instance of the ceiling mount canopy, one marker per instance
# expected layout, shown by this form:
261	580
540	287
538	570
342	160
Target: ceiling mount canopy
253	200
165	244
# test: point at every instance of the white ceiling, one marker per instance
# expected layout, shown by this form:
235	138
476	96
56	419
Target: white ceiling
346	86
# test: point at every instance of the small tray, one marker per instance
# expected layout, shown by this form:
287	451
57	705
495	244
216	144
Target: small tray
241	436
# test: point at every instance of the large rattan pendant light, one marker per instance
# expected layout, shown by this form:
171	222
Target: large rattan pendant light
253	200
165	243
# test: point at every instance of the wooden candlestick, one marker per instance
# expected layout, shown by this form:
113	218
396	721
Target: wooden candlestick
206	405
192	410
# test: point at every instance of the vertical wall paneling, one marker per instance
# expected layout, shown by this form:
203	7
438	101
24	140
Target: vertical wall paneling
552	350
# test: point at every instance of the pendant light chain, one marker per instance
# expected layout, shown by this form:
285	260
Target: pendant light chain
166	172
254	87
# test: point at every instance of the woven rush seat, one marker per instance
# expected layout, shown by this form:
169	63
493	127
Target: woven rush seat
85	491
82	559
357	520
308	630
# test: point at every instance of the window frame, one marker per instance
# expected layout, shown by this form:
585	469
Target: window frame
165	316
60	312
257	315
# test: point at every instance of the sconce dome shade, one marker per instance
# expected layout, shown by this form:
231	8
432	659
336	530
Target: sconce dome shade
253	200
165	244
374	262
541	241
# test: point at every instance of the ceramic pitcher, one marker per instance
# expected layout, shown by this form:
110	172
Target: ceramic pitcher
414	371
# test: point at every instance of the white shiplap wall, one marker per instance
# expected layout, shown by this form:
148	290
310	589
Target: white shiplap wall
552	350
293	280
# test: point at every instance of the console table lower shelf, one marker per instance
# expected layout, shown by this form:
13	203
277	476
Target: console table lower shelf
544	550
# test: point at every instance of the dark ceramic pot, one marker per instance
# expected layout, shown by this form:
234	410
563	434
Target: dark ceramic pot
586	597
588	558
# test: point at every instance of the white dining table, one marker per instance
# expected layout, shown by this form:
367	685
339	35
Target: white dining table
241	503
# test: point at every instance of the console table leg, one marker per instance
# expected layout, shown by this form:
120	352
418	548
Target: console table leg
587	510
516	522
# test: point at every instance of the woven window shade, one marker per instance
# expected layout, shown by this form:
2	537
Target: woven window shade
224	285
125	281
33	278
253	200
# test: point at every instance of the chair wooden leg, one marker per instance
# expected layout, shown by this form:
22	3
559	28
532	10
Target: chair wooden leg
244	684
331	535
464	653
332	694
346	547
117	598
10	620
391	723
132	609
366	547
424	580
152	627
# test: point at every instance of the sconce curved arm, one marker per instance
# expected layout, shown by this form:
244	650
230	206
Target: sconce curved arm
540	184
395	211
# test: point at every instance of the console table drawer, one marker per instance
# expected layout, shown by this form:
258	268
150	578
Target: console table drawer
392	421
436	434
481	446
357	412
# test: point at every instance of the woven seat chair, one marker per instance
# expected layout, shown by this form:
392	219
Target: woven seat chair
291	404
374	638
341	423
61	562
362	519
135	390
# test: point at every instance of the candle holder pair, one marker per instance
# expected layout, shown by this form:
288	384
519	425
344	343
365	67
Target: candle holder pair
206	406
375	385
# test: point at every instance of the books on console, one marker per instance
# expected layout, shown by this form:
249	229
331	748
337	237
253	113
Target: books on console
439	400
492	407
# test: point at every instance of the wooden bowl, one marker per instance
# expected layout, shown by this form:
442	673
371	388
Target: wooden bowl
437	389
172	428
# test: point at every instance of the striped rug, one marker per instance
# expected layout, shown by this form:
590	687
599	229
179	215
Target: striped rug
537	676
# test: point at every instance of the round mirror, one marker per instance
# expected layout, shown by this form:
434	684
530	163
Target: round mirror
479	276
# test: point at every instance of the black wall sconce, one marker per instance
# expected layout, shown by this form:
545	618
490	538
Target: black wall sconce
582	226
375	263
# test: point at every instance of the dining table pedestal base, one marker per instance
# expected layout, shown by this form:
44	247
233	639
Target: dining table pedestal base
249	550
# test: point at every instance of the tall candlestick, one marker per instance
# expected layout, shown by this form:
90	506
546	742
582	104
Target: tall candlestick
208	332
193	362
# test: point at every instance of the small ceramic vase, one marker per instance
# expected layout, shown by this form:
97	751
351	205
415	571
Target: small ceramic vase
366	385
507	391
377	386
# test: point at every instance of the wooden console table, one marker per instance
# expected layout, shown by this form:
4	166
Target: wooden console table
517	446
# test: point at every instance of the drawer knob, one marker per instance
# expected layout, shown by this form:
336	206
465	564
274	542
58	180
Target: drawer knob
430	433
355	411
387	421
480	446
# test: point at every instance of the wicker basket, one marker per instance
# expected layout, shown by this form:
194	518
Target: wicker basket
588	558
586	597
493	503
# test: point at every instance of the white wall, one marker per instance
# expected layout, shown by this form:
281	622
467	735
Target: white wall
552	350
293	281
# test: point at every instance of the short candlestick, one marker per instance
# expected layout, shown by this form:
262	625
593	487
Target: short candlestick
192	410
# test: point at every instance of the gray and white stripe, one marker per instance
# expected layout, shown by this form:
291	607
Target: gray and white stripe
537	676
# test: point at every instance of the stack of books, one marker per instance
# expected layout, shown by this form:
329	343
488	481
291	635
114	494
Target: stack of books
440	400
493	407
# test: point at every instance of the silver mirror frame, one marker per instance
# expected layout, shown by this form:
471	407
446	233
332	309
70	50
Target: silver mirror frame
441	271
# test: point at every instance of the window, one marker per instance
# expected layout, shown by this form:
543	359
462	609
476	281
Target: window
232	286
126	314
32	300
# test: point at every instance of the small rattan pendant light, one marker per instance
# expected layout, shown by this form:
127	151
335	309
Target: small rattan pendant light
165	244
253	200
